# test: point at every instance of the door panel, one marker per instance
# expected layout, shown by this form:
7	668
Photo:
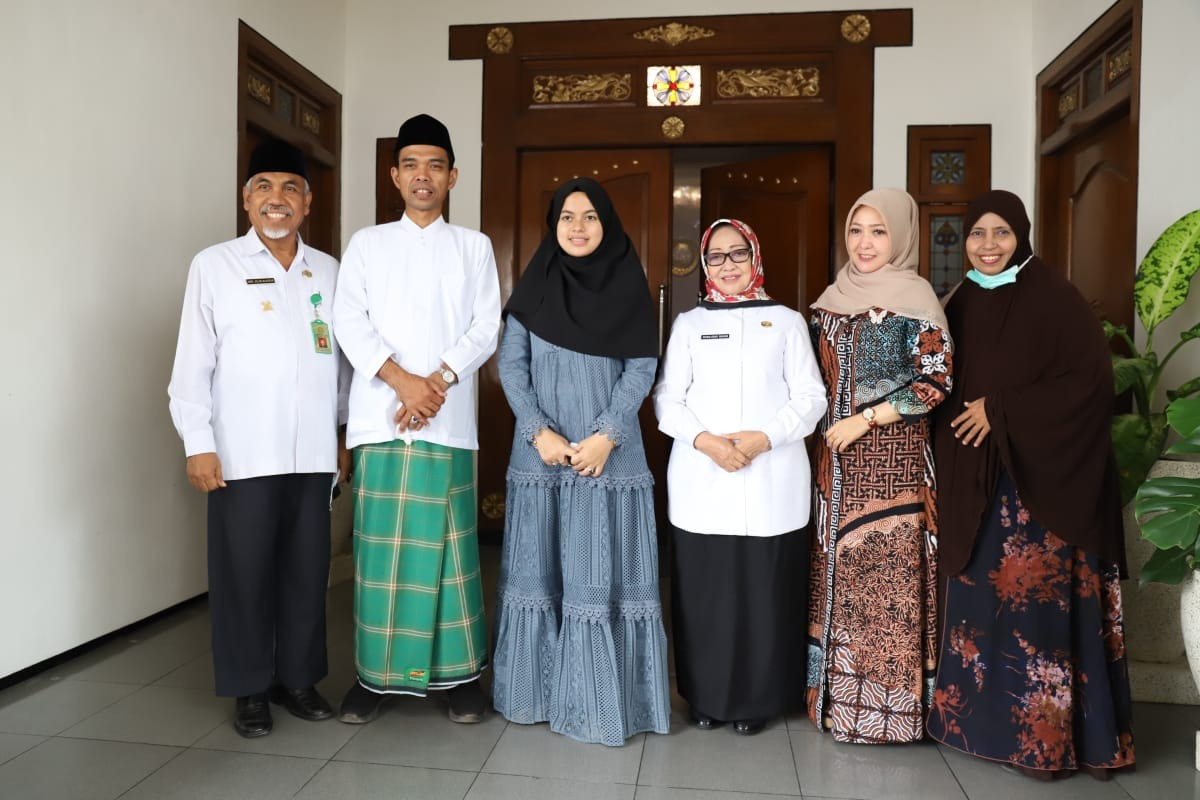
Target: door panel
785	199
1096	199
639	183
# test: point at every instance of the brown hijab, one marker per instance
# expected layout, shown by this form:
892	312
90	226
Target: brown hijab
896	286
1035	351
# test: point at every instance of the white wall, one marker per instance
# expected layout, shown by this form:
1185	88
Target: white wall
398	66
118	161
1168	160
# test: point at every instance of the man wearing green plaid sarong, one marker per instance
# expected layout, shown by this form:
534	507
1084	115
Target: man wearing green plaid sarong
418	602
420	314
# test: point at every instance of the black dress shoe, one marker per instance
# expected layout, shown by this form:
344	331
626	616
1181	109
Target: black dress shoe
360	705
303	703
749	727
252	716
703	721
467	703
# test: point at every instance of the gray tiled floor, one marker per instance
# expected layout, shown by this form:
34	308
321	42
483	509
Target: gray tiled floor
136	719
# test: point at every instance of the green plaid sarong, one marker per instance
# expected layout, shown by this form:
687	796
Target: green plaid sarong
418	599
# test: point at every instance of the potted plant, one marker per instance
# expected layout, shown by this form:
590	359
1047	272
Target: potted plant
1161	287
1168	508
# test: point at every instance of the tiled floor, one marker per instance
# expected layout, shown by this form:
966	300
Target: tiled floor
136	718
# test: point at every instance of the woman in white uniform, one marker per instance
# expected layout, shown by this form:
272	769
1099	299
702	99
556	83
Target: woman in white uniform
740	390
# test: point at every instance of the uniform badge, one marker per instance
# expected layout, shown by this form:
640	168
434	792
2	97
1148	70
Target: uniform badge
307	273
766	323
320	328
266	305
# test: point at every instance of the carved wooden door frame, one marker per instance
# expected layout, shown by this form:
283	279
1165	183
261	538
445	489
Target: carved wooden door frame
803	78
1069	106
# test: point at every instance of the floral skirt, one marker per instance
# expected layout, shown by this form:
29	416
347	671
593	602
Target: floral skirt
1033	669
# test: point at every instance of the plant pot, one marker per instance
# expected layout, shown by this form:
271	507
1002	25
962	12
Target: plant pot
1189	617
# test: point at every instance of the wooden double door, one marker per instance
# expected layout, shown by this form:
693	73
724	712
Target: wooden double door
784	197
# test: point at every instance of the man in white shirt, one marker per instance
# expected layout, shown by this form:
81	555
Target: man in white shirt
417	313
255	397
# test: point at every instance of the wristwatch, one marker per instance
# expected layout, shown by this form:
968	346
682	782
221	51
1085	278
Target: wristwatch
448	375
868	414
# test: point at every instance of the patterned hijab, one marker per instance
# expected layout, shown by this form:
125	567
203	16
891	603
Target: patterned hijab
754	293
896	286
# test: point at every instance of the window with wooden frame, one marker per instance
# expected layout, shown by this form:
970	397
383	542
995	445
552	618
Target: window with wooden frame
948	166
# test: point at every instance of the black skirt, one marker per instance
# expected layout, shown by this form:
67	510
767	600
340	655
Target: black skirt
739	611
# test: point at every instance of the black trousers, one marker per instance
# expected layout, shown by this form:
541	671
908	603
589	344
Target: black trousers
268	566
739	619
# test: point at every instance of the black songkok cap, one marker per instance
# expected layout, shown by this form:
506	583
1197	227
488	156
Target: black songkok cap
423	129
276	155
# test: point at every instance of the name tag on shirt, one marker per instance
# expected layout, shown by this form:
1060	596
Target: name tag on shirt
714	336
257	281
320	332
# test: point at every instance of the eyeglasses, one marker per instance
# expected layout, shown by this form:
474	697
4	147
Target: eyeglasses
736	256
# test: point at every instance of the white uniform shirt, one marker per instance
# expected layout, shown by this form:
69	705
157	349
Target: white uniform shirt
421	296
739	369
248	382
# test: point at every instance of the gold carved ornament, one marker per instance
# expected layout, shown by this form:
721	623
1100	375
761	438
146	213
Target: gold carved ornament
1119	63
493	505
856	28
500	40
769	82
259	89
310	120
608	87
684	259
1068	102
674	34
672	127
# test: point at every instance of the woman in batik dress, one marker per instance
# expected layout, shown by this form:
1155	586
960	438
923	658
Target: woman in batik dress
1033	669
579	636
885	355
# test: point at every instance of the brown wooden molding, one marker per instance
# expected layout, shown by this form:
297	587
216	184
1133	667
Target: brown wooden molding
613	38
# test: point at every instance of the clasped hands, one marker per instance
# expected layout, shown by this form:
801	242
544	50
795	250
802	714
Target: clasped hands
420	398
732	451
587	458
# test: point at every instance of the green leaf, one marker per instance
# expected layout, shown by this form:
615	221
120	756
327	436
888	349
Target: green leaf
1128	372
1191	333
1184	416
1166	272
1168	509
1166	566
1137	444
1111	330
1189	388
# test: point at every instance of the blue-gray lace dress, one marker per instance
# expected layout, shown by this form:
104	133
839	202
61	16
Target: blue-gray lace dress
579	635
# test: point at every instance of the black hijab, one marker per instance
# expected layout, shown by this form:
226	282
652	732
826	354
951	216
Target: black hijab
1035	351
597	304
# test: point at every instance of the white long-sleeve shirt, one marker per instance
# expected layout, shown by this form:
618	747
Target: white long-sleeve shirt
423	297
730	370
248	382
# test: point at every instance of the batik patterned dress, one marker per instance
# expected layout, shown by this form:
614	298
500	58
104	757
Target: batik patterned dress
872	606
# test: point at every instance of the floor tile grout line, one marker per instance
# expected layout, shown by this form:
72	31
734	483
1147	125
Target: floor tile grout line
44	739
637	779
792	751
147	776
953	774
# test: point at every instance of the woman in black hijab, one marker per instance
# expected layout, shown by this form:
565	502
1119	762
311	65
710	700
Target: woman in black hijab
1032	669
579	636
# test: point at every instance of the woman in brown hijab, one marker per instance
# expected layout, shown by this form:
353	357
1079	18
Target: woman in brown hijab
1032	670
883	350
